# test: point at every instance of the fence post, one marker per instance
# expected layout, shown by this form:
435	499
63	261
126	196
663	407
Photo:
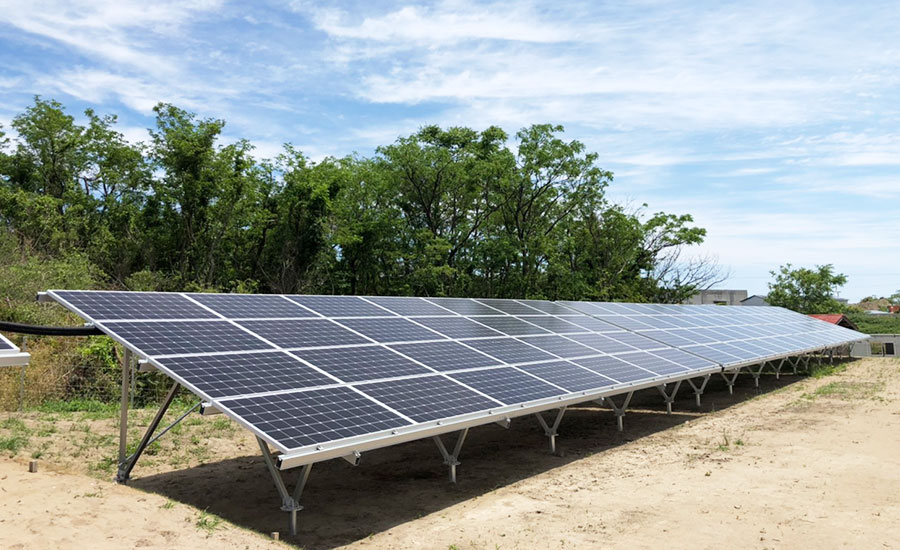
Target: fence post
21	405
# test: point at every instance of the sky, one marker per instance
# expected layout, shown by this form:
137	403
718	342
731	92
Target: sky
775	124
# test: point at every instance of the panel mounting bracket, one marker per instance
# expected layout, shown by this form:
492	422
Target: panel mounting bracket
452	459
669	398
551	431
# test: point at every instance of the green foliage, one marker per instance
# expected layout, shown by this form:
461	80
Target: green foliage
875	324
806	290
442	212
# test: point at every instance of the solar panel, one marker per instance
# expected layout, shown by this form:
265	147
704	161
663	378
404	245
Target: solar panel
355	364
510	350
6	344
309	372
251	306
391	330
314	417
226	375
183	337
507	385
341	306
428	398
445	356
303	333
457	327
10	355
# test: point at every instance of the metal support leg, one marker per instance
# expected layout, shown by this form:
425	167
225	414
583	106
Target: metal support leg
550	431
732	380
778	368
290	502
452	459
22	374
123	413
127	464
756	373
619	411
669	398
795	362
698	390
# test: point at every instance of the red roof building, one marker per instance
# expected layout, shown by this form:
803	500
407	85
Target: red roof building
838	319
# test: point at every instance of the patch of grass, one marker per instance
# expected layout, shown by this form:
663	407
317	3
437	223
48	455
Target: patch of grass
79	405
13	444
823	370
168	505
208	522
104	466
13	424
841	389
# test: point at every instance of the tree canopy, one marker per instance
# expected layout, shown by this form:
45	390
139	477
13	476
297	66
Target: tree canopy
806	290
441	212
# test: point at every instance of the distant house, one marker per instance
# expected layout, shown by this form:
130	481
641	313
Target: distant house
755	300
838	319
718	297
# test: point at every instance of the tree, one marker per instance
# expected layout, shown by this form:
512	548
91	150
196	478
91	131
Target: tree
806	290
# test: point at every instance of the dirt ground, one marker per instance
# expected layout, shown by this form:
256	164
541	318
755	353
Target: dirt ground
798	463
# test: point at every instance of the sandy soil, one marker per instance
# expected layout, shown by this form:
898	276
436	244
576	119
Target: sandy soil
798	463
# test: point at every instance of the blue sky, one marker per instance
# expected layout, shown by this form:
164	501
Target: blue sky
774	123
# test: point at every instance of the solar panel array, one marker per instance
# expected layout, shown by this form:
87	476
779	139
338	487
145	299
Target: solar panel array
312	373
730	336
10	355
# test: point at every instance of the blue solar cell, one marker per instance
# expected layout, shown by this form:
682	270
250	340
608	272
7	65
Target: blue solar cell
445	356
341	306
507	385
185	337
244	373
511	307
100	306
510	326
714	354
569	376
391	330
605	343
251	306
428	398
615	369
464	306
557	325
408	306
559	346
457	327
356	364
303	333
653	363
314	417
6	344
593	325
685	359
552	308
510	350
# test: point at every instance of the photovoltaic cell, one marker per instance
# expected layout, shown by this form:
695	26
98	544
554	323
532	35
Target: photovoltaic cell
566	375
361	363
457	327
510	326
615	369
557	325
624	321
511	307
593	325
185	337
303	333
636	341
251	306
340	306
557	345
6	344
244	373
444	356
548	307
427	398
653	363
391	330
507	385
314	417
600	342
686	359
464	306
509	350
408	306
99	306
713	354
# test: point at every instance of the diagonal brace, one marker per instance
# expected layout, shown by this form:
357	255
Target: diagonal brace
757	373
452	459
778	367
127	465
290	502
698	390
551	431
668	398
